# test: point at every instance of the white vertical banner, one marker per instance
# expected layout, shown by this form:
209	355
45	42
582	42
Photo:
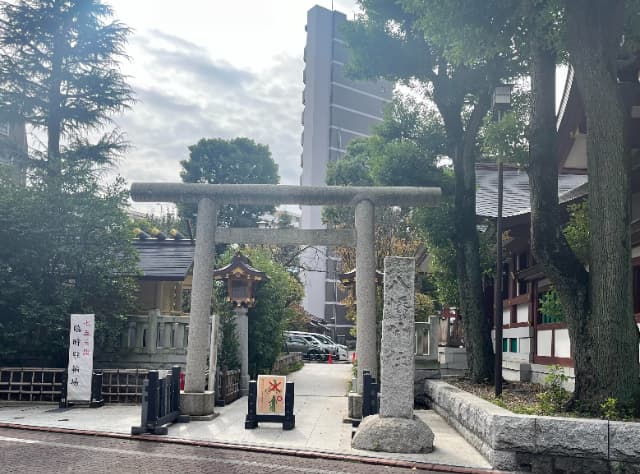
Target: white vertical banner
80	370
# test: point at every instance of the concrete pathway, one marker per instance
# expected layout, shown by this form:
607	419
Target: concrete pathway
320	407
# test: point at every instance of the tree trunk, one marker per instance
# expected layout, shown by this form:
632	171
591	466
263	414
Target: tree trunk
461	143
595	30
548	244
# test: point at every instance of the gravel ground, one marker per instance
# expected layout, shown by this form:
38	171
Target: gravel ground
518	397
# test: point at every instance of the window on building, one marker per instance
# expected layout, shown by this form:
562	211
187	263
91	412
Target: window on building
549	299
4	128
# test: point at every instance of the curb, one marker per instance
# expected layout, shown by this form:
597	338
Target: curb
262	449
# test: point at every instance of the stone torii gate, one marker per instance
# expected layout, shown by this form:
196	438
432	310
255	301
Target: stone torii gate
195	401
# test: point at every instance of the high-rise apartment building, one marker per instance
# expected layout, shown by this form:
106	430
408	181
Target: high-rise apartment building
337	110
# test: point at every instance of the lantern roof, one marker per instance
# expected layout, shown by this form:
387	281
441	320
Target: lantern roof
240	269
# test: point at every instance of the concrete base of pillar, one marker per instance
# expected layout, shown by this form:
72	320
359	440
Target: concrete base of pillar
355	405
197	405
393	435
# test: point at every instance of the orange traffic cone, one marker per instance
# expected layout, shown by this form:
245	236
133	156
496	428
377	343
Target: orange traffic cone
330	360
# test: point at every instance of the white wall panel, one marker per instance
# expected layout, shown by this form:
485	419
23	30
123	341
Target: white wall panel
506	316
562	343
523	313
544	343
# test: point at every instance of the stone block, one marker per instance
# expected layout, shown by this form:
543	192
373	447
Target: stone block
197	404
624	441
393	435
572	437
514	432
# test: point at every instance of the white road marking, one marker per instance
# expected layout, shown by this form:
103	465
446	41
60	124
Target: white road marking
18	440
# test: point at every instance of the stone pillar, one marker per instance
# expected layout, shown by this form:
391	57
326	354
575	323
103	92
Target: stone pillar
365	290
166	334
396	429
152	337
242	326
195	401
397	358
178	340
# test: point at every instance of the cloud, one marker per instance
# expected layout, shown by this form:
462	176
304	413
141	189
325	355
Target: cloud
169	53
184	95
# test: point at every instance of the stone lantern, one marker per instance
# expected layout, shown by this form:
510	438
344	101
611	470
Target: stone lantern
242	282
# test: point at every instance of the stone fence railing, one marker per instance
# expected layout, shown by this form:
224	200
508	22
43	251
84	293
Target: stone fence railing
284	361
150	341
527	443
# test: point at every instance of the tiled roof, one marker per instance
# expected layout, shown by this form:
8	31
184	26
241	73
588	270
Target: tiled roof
167	260
516	190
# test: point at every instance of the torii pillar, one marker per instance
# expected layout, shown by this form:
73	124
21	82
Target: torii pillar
195	401
365	290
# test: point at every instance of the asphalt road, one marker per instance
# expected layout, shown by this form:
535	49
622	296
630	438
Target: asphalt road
24	451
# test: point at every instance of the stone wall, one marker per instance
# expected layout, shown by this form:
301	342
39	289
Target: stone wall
537	444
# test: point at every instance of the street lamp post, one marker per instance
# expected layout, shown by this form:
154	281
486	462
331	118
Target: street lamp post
501	100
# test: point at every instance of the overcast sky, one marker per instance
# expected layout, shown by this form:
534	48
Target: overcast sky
213	69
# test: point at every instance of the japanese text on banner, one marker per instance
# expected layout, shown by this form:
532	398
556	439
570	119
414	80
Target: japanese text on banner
80	367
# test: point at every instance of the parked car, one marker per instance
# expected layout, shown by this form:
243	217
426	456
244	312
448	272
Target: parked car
338	351
309	348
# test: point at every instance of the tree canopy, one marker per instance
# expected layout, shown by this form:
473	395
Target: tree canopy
236	161
599	39
59	72
64	250
390	40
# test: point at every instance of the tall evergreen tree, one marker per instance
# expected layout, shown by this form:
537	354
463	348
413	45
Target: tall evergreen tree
59	73
65	237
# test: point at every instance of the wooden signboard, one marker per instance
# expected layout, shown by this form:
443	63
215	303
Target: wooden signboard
271	400
271	392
